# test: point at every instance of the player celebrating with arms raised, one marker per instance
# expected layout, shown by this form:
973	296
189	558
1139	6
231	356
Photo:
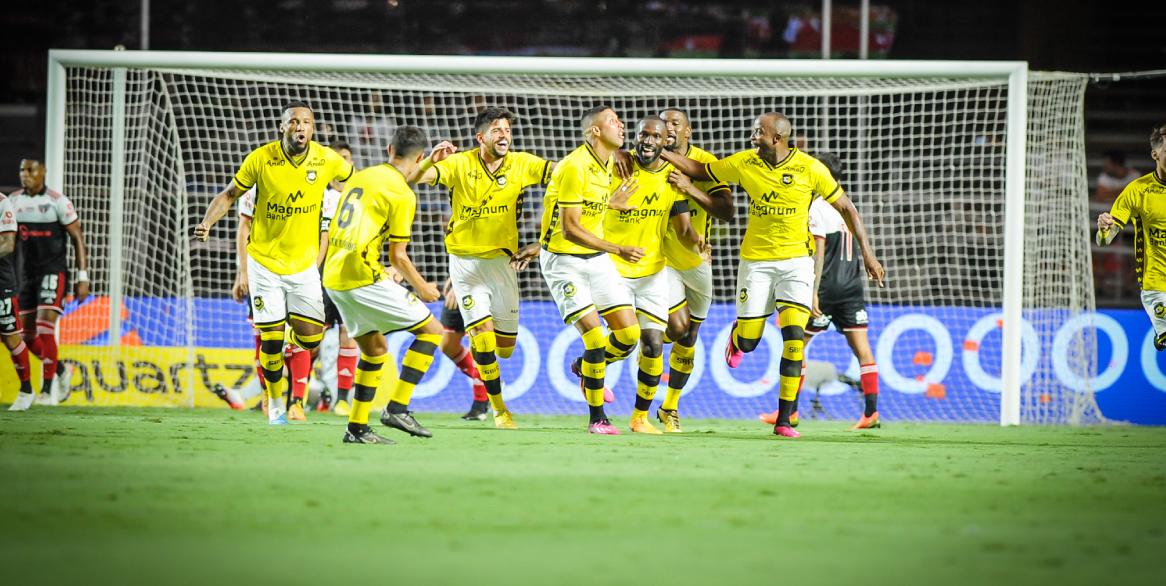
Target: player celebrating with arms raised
776	269
657	209
290	176
486	187
1143	204
378	204
582	279
689	275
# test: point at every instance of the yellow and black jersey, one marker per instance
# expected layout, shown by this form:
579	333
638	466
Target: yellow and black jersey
289	195
580	180
676	253
485	205
1142	204
655	202
377	205
779	200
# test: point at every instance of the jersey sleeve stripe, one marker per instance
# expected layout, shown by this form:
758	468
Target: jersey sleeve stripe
351	172
546	172
719	187
396	238
709	169
566	204
241	185
833	194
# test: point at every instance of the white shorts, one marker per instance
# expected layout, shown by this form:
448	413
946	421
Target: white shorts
694	285
1154	302
275	297
486	288
761	284
384	307
650	296
580	284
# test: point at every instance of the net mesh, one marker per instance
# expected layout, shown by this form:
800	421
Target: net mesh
924	162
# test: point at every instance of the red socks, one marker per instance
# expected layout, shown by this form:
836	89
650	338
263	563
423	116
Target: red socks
346	370
465	363
299	364
870	379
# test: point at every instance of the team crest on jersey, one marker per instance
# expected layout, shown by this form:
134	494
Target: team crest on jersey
569	290
501	181
787	179
1159	310
744	295
467	302
312	175
258	303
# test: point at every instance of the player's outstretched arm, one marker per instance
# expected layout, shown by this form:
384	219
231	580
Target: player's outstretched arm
719	203
241	289
574	232
81	284
874	269
1106	231
425	173
694	169
399	258
7	243
216	210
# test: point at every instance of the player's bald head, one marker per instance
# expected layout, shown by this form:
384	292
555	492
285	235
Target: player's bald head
777	123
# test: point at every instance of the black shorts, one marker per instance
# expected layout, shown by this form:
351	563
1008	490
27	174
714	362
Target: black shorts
846	314
44	291
451	319
9	312
331	314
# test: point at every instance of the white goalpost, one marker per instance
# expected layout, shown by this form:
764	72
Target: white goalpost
969	175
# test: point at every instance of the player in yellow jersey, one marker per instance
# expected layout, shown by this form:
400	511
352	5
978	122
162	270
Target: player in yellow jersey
582	278
289	176
657	209
689	274
1143	204
379	205
486	188
777	268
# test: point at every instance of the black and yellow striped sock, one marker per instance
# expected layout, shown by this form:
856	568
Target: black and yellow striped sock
308	342
271	360
413	366
593	370
485	346
647	381
792	320
680	363
621	342
747	334
365	383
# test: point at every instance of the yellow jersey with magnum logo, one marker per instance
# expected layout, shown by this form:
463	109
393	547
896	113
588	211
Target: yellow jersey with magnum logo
289	196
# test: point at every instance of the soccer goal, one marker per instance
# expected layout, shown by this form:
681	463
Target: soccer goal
969	175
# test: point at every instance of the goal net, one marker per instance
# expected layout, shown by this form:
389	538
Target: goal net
145	148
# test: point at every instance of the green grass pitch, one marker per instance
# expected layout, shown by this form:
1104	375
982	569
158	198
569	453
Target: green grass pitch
156	496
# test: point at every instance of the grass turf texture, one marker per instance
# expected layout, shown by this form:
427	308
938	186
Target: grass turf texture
170	496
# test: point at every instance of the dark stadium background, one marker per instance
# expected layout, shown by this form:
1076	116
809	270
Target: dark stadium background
1070	35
